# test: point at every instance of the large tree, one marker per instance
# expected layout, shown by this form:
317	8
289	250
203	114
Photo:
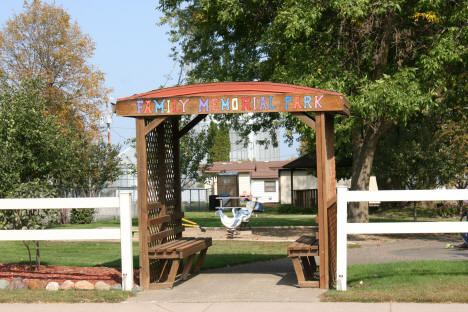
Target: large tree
219	142
37	147
393	59
43	42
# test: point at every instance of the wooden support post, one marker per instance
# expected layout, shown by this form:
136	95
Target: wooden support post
142	171
326	187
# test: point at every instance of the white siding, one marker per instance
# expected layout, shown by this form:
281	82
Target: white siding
285	184
244	183
302	181
258	190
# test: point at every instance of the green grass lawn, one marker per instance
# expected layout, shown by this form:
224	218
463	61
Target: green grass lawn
70	296
273	218
208	219
418	281
402	213
222	253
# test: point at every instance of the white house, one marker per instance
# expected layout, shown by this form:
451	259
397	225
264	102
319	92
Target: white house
257	178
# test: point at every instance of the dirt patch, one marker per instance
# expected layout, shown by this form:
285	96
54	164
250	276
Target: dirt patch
279	233
52	273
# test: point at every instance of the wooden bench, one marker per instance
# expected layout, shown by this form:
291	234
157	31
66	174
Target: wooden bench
173	253
302	253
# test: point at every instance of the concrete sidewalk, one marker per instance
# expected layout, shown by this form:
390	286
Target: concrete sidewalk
236	307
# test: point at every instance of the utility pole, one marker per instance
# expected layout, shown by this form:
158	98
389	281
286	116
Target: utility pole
108	120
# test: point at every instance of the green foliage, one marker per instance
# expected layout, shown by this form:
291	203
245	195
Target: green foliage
36	147
90	168
194	147
82	216
219	142
447	210
408	158
395	60
33	144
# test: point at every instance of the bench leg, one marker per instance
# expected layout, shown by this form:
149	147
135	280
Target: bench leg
163	273
200	259
298	269
187	267
173	273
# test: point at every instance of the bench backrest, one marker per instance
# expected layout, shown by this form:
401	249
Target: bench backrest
165	228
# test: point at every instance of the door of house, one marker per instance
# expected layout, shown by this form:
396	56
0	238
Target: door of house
228	184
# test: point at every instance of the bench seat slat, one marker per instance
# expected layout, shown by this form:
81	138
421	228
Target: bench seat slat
180	248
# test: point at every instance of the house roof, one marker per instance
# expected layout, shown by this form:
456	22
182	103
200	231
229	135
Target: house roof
309	162
259	169
238	166
227	88
303	162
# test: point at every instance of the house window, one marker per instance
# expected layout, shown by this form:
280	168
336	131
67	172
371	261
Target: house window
270	186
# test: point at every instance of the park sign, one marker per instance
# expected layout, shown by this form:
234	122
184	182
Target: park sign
232	104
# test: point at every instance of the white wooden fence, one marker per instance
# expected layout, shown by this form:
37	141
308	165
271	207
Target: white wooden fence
124	234
344	228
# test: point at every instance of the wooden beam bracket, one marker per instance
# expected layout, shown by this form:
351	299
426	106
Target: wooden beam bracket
154	123
191	124
305	118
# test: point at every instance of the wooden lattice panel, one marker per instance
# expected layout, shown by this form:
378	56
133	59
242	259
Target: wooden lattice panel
162	186
331	214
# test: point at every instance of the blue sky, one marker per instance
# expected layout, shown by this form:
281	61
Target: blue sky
131	49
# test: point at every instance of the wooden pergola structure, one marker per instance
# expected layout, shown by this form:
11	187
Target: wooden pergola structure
158	132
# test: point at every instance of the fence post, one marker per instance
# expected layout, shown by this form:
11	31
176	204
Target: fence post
341	237
126	249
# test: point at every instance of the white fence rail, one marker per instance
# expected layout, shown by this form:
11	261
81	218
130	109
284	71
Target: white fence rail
344	228
124	234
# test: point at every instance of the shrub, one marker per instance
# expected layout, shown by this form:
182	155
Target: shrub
82	216
447	210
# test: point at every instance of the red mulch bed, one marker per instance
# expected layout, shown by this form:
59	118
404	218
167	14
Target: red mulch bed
53	273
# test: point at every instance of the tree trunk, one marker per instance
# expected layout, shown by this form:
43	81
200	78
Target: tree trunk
29	252
364	147
38	257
